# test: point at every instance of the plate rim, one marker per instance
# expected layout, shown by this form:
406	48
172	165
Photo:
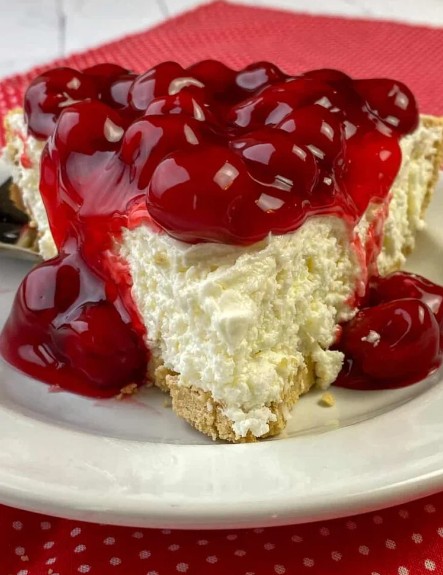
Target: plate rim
191	512
131	495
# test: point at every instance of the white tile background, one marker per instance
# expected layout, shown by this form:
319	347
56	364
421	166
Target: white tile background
32	31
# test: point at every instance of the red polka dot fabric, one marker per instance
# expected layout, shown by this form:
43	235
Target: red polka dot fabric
406	540
239	35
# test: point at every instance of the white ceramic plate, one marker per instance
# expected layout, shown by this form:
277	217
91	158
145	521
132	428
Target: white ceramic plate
135	463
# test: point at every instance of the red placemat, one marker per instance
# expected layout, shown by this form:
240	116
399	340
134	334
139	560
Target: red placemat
239	35
406	540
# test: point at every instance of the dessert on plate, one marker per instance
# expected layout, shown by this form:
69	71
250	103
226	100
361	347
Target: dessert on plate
215	233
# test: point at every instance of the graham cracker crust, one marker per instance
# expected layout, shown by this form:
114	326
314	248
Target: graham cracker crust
199	408
437	152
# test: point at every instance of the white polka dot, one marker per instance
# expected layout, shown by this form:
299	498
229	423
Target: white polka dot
351	525
240	552
390	544
23	572
51	561
336	555
17	525
440	531
212	559
279	569
80	548
296	539
363	549
375	573
138	534
168	532
403	571
269	546
308	562
19	551
377	519
324	531
182	567
144	554
232	537
174	547
45	525
258	530
84	569
152	573
417	538
109	541
404	514
429	565
429	508
115	561
76	532
48	545
202	542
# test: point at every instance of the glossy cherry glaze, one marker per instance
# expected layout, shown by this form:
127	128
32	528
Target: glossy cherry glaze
398	338
206	154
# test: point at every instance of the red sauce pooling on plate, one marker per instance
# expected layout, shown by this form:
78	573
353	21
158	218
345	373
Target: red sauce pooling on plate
204	153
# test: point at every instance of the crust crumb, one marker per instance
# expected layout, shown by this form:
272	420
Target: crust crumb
327	400
129	389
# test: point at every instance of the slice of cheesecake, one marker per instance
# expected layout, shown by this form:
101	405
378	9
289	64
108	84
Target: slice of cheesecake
238	311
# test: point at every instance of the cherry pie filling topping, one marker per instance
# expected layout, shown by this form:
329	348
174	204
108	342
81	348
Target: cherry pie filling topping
206	154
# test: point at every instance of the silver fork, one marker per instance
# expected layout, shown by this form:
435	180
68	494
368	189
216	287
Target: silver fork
16	237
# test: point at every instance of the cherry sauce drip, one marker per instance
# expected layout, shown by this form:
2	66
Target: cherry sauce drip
203	153
396	339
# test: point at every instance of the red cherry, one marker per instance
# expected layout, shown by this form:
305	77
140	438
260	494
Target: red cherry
216	77
153	83
273	157
194	194
257	75
88	127
185	102
50	93
96	342
391	101
275	102
406	339
149	140
329	76
116	93
371	162
317	128
105	71
399	285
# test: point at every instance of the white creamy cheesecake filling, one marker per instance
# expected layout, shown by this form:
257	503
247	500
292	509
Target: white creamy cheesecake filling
408	196
242	322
